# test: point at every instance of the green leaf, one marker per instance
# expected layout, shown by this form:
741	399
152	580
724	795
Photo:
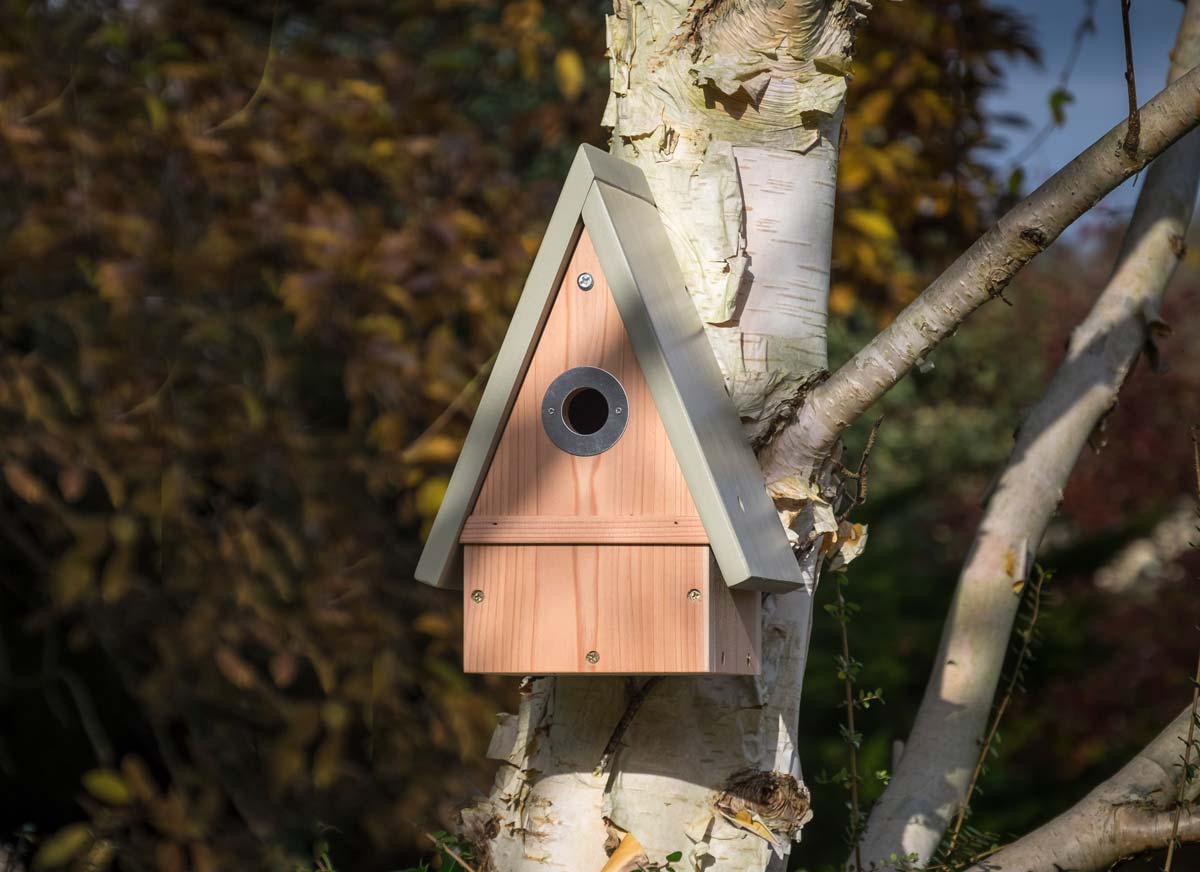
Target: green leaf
1015	181
107	786
63	847
674	856
1060	98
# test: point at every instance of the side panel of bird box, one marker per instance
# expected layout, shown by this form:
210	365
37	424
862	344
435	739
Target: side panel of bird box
533	480
624	609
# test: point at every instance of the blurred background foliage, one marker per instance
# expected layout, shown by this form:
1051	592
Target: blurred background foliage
254	262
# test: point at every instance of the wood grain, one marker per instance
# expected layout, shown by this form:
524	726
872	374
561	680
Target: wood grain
573	529
637	477
543	608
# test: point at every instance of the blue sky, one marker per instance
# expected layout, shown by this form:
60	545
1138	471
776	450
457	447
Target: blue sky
1098	82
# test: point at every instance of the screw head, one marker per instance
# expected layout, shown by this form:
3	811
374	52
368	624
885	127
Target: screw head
477	596
693	594
618	410
585	281
593	657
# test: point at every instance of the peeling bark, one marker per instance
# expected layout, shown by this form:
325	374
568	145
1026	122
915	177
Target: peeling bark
930	782
733	111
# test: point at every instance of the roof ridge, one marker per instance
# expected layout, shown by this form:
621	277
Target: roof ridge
613	200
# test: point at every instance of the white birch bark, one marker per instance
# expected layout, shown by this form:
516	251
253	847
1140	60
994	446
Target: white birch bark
930	782
732	109
1131	812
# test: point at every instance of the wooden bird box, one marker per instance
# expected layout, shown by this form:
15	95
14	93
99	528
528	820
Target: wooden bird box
607	514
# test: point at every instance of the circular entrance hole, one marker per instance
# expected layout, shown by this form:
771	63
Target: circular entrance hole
585	411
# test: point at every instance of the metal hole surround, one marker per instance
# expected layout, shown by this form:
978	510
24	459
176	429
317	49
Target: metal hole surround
556	403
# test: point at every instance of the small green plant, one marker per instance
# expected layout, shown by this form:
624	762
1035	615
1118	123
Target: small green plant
673	857
453	855
848	668
321	859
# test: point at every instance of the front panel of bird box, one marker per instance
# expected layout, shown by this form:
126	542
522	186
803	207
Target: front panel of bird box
585	551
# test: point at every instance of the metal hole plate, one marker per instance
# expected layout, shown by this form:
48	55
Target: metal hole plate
554	418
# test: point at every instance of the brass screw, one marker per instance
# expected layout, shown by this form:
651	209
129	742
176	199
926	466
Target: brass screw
593	657
477	596
693	594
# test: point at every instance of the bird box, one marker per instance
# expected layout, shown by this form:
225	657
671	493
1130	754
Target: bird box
607	514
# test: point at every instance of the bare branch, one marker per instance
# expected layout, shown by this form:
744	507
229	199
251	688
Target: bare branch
1125	815
979	275
930	784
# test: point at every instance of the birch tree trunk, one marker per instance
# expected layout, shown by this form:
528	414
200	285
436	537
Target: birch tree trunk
732	109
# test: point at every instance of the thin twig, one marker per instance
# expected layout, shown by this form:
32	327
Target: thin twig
443	846
859	475
456	405
1014	677
1134	134
1086	25
260	88
864	462
855	811
618	733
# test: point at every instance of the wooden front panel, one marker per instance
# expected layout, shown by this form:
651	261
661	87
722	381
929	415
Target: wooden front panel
575	530
540	609
529	475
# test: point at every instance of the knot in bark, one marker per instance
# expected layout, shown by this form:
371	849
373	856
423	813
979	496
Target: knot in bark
777	798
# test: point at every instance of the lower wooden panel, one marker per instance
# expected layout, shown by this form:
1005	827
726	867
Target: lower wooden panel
542	609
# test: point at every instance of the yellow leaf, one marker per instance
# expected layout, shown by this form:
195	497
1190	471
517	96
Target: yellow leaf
23	482
118	575
62	847
283	668
136	774
72	482
874	225
72	578
368	91
434	624
124	529
107	786
430	495
841	298
435	449
335	715
569	73
327	762
157	112
233	667
872	109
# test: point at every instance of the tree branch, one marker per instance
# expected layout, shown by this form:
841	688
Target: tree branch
930	784
979	275
1127	814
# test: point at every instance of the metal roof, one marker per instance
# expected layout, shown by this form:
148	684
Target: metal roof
612	199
